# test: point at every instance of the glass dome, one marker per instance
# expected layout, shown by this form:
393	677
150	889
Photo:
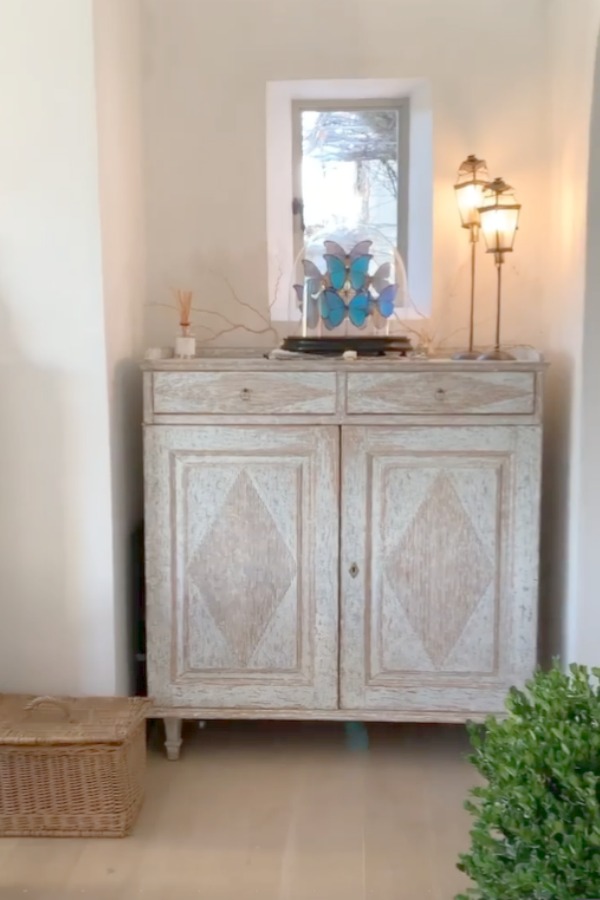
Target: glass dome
348	283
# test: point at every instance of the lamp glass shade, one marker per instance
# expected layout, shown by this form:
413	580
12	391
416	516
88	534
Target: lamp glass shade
471	181
499	217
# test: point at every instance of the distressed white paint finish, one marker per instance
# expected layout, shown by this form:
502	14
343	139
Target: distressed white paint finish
220	360
242	531
196	713
442	525
173	737
398	391
277	393
439	511
441	392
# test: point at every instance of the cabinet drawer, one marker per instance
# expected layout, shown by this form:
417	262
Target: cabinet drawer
244	393
444	393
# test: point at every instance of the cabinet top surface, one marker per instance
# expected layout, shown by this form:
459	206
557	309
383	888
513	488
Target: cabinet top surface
249	361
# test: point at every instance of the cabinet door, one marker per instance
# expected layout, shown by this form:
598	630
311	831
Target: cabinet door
439	566
242	566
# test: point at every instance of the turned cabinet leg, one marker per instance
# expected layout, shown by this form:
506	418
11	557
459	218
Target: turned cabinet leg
173	735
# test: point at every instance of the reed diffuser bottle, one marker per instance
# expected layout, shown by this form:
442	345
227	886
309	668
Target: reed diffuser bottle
185	342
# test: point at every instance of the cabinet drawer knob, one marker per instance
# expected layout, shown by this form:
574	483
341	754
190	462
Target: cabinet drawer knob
354	570
245	393
440	393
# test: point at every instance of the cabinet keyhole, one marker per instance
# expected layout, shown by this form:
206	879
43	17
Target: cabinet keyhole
354	570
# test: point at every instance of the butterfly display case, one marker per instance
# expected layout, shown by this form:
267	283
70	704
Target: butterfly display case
348	289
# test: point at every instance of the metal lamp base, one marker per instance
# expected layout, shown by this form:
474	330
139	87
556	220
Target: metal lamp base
466	354
496	355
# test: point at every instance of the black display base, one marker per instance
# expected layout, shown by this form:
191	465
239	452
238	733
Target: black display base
335	346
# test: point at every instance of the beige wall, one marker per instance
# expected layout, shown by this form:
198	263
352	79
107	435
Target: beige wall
166	189
118	86
206	67
526	111
570	621
584	620
56	609
71	308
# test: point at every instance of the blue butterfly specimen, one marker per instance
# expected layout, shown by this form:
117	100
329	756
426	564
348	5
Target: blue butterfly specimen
385	302
343	267
381	278
308	293
313	311
334	308
360	249
346	290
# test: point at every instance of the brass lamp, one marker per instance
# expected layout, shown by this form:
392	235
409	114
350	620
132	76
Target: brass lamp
470	184
499	216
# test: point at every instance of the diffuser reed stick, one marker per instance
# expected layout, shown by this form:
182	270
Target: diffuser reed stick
184	305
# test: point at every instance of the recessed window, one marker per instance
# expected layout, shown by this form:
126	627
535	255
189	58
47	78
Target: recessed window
350	165
344	157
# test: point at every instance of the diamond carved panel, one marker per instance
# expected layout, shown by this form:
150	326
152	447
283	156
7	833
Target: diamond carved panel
439	574
242	569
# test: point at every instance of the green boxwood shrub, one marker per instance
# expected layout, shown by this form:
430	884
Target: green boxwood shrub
536	832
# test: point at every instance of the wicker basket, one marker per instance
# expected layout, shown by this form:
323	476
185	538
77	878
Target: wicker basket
71	767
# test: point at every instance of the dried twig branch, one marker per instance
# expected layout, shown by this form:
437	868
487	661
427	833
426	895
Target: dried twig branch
426	334
241	302
185	314
235	326
278	281
213	333
214	312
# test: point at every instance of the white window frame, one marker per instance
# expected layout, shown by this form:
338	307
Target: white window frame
401	105
280	97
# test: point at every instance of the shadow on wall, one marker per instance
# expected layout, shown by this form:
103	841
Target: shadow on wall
554	522
39	641
585	617
127	498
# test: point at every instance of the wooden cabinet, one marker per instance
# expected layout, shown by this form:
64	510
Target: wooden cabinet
240	580
319	547
439	566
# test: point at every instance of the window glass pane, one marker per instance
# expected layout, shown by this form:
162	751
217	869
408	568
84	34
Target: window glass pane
350	171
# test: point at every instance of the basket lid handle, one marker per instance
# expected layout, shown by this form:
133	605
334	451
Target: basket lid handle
50	701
